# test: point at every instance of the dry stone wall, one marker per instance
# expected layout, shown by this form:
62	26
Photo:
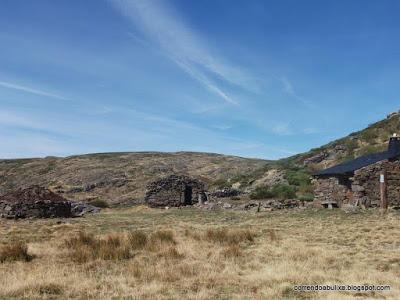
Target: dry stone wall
366	183
330	190
174	191
365	186
34	202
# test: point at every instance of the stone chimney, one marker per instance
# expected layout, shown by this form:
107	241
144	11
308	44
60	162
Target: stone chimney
394	145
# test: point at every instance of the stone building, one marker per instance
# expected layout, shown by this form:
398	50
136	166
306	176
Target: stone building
174	191
357	182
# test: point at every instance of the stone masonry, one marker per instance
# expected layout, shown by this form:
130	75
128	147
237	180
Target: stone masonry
362	187
175	191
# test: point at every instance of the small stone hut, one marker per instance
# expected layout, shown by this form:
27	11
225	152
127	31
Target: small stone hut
357	182
34	202
174	191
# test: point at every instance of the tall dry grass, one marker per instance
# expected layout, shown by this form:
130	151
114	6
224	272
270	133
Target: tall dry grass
189	255
17	251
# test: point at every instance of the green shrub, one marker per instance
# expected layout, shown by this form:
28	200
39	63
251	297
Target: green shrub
306	197
262	192
221	183
351	145
297	178
281	191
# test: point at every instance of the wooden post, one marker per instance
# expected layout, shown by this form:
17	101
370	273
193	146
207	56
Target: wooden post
383	188
200	197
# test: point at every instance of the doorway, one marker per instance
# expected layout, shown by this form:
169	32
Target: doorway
188	195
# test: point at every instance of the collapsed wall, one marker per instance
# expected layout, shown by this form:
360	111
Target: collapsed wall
34	202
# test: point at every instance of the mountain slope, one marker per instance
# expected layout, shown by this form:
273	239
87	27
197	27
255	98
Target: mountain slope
122	177
372	139
119	177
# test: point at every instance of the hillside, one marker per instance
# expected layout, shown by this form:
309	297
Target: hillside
122	177
119	177
372	139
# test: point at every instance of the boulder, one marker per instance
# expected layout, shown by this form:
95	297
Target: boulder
78	209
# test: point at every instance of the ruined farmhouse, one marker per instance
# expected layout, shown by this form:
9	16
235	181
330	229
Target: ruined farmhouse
175	191
359	181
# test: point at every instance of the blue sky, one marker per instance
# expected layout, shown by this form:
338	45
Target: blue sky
253	78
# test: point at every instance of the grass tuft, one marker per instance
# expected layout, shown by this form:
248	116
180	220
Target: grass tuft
86	247
15	252
137	240
229	237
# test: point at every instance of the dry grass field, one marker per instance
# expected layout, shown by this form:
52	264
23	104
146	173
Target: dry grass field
141	253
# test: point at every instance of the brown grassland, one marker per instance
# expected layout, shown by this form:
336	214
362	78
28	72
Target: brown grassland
142	253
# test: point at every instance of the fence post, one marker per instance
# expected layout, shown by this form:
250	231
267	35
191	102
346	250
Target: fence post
383	189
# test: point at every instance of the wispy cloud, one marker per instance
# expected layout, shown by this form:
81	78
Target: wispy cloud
30	90
282	129
12	119
184	46
288	88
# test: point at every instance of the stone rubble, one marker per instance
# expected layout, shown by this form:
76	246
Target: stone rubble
39	202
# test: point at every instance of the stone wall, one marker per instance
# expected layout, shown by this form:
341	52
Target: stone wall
170	191
365	189
38	209
330	190
366	183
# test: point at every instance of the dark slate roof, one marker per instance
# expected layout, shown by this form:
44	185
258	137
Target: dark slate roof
355	164
363	161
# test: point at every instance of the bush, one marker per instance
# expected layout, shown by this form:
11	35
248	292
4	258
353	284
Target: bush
15	252
306	197
281	191
221	183
99	203
351	145
261	192
297	178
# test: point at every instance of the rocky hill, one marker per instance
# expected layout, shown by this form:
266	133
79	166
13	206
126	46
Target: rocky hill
372	139
119	177
122	177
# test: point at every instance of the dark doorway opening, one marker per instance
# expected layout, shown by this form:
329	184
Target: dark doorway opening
188	195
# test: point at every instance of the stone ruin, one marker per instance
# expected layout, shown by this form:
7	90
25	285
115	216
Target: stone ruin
225	192
175	191
34	202
39	202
